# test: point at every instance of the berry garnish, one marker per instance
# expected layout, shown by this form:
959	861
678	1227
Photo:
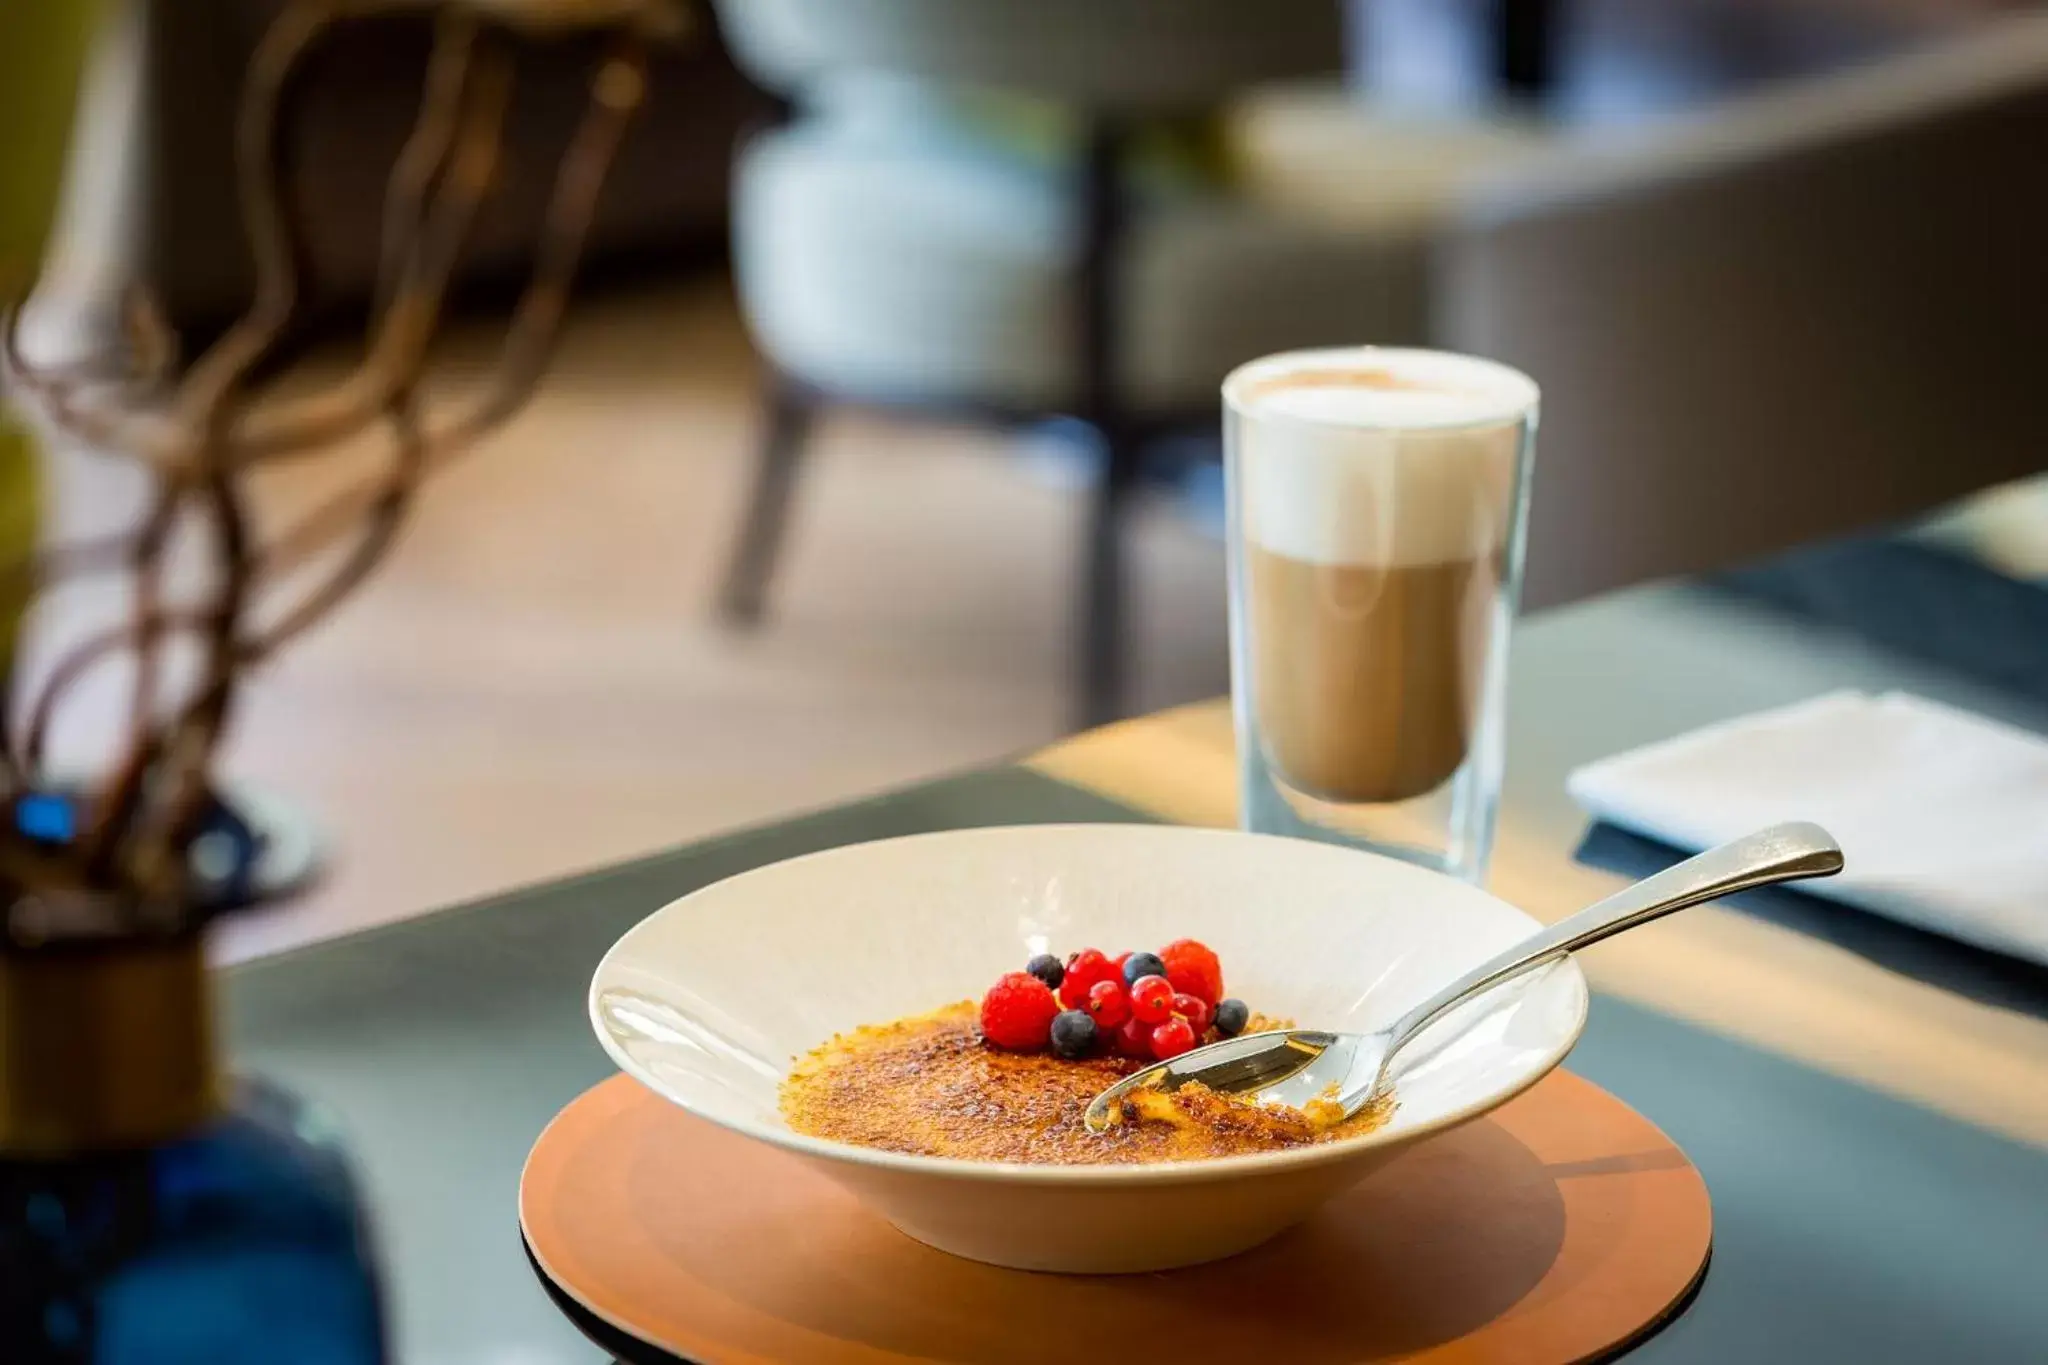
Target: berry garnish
1134	1039
1073	1034
1152	999
1017	1012
1172	1038
1137	1004
1192	968
1084	969
1108	1005
1136	965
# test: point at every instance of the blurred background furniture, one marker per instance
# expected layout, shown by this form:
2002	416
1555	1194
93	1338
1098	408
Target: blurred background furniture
1806	312
1026	215
887	247
1098	211
666	201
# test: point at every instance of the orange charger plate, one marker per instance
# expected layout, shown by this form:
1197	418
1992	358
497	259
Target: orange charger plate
1563	1227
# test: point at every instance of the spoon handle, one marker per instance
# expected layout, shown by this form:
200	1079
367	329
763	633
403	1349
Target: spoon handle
1781	853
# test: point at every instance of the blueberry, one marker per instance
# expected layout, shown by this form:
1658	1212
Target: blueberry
1142	964
1073	1034
1047	968
1231	1017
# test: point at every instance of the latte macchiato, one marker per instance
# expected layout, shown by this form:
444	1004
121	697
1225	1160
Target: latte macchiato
1376	503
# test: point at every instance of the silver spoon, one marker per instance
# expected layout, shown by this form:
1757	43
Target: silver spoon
1356	1063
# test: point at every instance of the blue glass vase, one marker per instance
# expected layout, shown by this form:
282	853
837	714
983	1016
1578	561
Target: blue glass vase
238	1244
148	1214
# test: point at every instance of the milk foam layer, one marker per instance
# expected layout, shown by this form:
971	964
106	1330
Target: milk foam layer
1375	457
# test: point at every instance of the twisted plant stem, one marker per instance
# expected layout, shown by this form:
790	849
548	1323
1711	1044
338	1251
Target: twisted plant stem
211	431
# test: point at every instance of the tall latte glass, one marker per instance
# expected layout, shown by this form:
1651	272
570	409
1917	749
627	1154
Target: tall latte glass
1377	501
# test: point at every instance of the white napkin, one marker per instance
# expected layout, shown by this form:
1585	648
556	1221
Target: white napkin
1942	815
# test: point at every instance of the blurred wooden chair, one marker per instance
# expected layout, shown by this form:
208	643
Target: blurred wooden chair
885	255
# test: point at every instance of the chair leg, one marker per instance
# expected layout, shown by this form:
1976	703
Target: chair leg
1098	280
1104	583
790	413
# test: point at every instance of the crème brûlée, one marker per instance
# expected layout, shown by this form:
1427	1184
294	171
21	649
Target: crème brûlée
929	1085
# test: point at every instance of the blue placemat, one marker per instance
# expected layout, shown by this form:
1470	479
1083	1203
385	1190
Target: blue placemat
1917	600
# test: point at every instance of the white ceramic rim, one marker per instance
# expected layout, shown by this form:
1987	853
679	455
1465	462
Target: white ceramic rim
1054	1173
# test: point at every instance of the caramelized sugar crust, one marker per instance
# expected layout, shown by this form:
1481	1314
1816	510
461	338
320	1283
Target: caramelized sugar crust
928	1085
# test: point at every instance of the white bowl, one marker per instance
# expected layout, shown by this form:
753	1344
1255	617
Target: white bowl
708	1000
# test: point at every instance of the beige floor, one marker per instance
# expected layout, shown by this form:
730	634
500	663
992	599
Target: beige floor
534	684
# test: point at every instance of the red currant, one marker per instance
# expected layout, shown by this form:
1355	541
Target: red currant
1172	1038
1152	999
1134	1039
1195	1010
1108	1004
1084	969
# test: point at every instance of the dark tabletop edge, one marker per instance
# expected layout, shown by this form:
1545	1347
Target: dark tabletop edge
1080	805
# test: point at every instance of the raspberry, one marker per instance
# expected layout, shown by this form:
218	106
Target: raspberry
1195	1010
1017	1012
1151	999
1134	1039
1084	969
1193	969
1172	1038
1108	1004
